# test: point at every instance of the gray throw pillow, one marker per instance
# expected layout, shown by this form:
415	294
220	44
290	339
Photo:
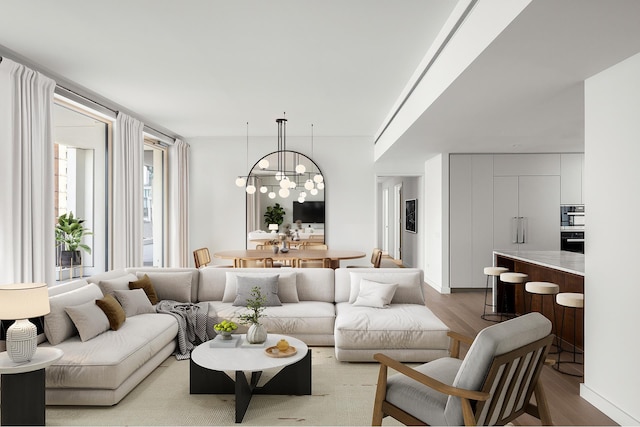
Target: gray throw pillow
89	319
134	302
268	287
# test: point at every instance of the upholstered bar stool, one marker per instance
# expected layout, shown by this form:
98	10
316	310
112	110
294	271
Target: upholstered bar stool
515	279
545	290
572	301
491	273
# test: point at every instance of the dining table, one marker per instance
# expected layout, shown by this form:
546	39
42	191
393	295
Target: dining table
335	255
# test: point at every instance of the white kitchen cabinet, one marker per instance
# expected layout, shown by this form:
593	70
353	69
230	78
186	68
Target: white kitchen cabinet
572	170
526	213
471	219
526	164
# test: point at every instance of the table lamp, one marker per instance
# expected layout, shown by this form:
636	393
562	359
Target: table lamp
273	228
19	302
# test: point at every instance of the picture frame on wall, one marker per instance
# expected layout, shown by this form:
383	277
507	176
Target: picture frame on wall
410	219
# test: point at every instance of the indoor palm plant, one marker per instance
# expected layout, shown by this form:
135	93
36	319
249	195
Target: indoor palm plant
257	333
69	233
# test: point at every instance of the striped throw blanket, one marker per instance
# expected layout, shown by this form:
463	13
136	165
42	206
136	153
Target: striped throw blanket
192	324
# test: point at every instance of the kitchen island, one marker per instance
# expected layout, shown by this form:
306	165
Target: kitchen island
565	269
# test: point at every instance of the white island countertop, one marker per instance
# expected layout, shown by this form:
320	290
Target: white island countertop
569	262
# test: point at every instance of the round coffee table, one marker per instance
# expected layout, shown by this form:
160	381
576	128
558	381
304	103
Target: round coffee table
208	365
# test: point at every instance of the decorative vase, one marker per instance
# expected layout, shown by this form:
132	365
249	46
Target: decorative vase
224	335
257	334
275	249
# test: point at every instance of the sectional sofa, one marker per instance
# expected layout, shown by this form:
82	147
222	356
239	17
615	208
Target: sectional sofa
358	311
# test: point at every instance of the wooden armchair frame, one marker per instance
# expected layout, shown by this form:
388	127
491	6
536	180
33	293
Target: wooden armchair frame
495	384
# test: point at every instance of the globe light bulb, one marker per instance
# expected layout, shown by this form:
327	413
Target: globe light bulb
300	199
302	194
308	184
263	189
240	181
292	185
301	169
318	178
250	189
320	186
279	175
272	195
284	182
313	191
284	193
263	164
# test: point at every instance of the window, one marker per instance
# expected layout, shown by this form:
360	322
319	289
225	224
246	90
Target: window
153	203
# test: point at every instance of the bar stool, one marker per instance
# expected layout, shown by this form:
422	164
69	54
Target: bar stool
572	301
491	272
544	289
513	279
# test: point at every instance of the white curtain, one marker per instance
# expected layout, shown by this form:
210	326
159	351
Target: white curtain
27	243
178	245
128	152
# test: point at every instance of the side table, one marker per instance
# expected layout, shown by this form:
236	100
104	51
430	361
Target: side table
23	387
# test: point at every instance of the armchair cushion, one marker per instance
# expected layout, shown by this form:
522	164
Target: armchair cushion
419	400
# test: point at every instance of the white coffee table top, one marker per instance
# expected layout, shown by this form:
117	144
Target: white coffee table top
43	357
246	358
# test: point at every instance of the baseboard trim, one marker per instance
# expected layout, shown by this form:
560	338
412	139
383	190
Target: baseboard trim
606	407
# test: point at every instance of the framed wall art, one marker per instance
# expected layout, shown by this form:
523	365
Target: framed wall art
410	220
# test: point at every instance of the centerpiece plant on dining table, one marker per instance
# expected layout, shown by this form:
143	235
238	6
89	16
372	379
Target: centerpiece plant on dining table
257	333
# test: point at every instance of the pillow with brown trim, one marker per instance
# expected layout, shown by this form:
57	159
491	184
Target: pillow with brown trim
113	310
145	284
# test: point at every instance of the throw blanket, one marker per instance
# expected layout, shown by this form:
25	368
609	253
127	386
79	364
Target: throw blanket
192	324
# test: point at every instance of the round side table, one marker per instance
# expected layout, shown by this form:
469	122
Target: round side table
23	387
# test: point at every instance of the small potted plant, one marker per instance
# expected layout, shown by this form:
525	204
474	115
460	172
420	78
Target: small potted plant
257	333
274	214
69	233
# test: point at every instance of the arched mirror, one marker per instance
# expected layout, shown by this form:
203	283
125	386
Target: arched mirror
292	184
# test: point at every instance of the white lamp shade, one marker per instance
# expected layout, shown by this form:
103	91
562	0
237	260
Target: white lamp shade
284	193
251	189
240	181
273	227
320	186
302	194
301	169
272	195
318	178
284	182
263	164
292	185
263	189
313	191
23	300
308	184
300	199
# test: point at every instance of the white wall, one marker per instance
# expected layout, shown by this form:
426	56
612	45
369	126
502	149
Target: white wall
612	290
217	207
435	218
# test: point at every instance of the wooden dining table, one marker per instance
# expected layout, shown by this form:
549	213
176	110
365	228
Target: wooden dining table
288	257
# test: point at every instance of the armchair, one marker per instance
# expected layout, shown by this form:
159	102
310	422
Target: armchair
492	385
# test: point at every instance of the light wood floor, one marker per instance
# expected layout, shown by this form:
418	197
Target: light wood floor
461	312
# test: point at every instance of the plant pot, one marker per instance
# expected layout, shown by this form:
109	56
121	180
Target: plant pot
257	334
275	249
70	258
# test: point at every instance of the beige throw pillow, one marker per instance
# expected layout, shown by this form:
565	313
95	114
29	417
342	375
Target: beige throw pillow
58	326
89	319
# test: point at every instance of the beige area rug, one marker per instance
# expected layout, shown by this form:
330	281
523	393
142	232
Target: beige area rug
342	395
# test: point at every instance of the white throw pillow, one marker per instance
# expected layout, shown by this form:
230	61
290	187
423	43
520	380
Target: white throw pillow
173	286
57	324
374	294
89	319
119	283
409	289
134	302
287	285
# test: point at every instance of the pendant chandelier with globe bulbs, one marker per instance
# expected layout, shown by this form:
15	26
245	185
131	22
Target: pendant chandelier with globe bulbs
288	180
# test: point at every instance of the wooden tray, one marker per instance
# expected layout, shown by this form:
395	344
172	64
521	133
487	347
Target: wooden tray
288	352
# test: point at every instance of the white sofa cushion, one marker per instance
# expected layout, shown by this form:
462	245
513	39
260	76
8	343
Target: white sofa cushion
195	276
170	285
375	294
134	302
287	288
89	319
107	360
401	326
108	286
57	324
409	290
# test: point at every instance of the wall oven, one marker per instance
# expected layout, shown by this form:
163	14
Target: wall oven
572	241
572	228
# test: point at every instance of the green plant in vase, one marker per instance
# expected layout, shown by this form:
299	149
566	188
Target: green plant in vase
257	333
274	215
69	233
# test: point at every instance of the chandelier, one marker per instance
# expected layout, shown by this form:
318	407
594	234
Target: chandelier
289	172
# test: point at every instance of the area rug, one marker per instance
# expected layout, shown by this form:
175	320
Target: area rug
342	395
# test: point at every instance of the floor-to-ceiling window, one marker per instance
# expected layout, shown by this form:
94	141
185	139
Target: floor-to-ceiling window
154	206
80	143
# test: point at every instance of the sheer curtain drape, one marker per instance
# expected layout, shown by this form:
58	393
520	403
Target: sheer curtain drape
27	243
128	153
178	245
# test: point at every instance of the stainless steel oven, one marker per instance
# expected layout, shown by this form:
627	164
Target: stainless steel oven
572	228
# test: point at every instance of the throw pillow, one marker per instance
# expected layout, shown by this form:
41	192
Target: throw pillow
120	283
409	289
134	302
57	324
287	286
268	287
374	294
113	310
89	319
145	284
173	286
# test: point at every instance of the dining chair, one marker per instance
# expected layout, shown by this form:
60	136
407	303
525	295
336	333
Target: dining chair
202	257
312	263
253	263
492	385
376	259
314	246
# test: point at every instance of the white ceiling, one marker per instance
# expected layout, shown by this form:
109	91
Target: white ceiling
206	67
